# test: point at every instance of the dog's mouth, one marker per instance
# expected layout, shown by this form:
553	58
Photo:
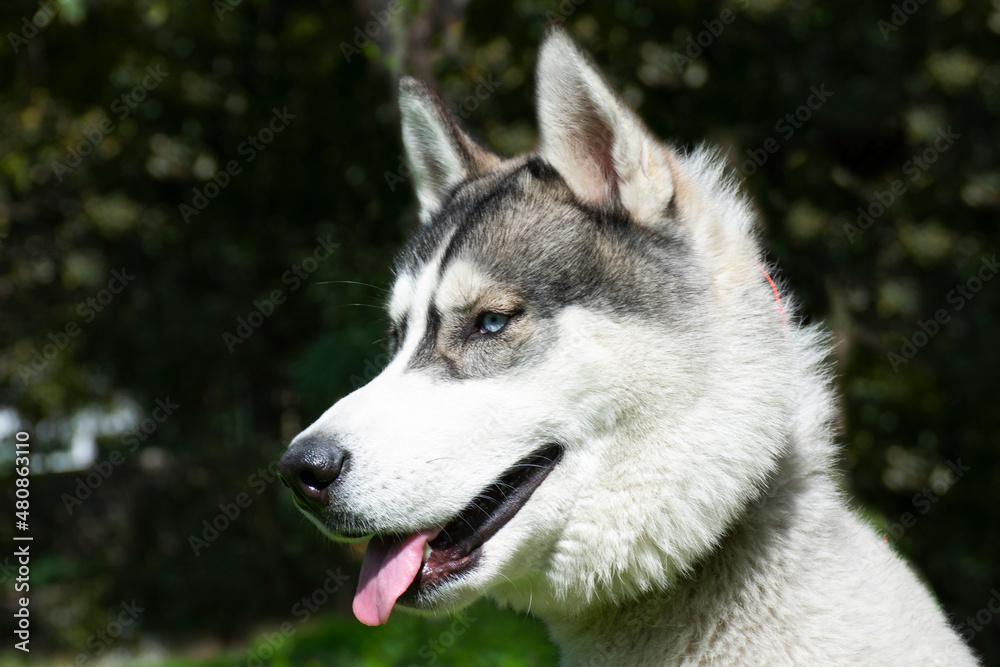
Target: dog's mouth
402	567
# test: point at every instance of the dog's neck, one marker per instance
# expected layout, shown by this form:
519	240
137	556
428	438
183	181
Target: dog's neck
718	605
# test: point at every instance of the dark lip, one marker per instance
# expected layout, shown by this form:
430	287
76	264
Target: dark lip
459	545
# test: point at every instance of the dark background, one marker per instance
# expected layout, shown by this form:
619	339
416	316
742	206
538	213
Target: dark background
899	74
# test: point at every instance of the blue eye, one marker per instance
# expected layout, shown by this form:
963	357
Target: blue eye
493	322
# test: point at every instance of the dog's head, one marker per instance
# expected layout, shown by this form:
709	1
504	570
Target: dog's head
587	370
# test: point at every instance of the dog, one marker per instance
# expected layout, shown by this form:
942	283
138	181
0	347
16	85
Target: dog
600	409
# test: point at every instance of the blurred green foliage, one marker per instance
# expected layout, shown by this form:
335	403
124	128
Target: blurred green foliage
84	82
481	635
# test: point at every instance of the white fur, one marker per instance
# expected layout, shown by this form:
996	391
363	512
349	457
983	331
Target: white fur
460	286
440	154
695	517
402	296
578	113
434	172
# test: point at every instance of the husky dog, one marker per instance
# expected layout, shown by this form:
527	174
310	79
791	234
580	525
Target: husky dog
600	410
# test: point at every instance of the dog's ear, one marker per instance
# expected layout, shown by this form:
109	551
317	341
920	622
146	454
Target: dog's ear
441	155
593	139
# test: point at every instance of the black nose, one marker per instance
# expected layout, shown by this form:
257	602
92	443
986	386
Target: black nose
310	466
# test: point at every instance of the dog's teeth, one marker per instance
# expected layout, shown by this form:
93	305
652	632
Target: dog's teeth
427	551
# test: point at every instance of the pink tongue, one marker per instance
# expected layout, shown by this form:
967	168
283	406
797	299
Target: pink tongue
387	571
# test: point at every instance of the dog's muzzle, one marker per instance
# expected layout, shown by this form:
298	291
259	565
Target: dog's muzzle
310	467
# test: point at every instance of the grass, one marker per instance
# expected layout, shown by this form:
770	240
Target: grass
480	636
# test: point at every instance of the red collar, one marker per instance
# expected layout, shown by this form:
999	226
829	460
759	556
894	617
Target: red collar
777	297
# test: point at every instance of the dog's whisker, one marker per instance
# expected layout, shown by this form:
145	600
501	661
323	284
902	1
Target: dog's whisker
366	305
350	282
